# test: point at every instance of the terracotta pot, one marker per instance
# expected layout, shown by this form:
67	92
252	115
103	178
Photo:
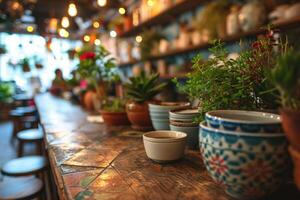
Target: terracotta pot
88	100
296	160
291	126
115	118
138	115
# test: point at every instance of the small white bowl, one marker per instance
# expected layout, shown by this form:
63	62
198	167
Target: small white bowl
164	146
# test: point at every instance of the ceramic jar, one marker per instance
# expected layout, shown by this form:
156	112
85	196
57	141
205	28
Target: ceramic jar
246	165
252	15
232	21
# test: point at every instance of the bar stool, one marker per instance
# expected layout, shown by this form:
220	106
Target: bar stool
21	189
30	136
27	166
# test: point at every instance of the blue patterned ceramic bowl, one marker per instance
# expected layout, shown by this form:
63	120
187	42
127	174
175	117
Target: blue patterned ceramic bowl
248	166
244	121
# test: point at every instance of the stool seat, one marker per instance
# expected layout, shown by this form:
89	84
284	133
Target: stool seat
30	135
20	188
24	166
26	109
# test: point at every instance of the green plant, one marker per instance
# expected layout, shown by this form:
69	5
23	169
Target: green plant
286	77
221	83
96	65
150	39
114	105
213	17
143	87
6	92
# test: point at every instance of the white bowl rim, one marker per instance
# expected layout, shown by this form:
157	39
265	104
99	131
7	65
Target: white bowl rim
276	119
235	133
178	112
182	136
177	104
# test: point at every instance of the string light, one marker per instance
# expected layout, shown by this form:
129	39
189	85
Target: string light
102	3
122	11
65	22
63	33
96	24
138	39
72	10
113	34
150	3
30	29
97	42
86	38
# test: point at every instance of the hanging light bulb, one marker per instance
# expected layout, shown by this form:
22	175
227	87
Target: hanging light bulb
138	39
65	22
86	38
97	42
122	10
72	10
102	3
96	24
63	33
113	34
30	29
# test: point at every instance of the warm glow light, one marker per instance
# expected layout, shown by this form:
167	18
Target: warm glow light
86	38
150	3
138	39
96	24
102	3
97	42
63	33
122	11
72	10
77	49
113	34
30	29
65	22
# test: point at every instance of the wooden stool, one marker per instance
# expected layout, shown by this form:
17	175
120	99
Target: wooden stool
16	117
30	122
30	136
24	166
21	188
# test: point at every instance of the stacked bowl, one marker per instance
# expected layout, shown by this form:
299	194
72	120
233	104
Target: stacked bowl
183	120
244	151
159	113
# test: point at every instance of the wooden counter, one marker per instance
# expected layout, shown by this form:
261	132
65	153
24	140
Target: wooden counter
92	161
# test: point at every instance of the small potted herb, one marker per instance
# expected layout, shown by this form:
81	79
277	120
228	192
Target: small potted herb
141	91
286	77
24	63
113	112
6	93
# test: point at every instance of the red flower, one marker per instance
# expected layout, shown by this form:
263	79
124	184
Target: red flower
87	55
259	171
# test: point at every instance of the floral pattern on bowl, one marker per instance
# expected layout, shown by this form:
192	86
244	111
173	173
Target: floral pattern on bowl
245	121
246	165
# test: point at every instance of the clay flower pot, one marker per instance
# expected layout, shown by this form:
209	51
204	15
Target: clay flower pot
296	160
138	115
114	118
88	100
291	126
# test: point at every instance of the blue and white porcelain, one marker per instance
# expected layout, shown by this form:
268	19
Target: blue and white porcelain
244	121
248	166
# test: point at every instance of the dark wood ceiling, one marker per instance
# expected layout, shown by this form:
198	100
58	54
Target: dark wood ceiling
42	10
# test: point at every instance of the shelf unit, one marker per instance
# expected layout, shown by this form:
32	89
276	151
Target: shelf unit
286	24
164	17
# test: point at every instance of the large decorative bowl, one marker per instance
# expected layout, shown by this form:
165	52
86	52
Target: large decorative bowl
248	166
244	121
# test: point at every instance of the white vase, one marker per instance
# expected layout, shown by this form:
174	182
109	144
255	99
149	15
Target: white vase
252	15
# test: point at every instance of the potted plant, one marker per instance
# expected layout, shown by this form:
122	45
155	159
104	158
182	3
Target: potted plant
96	67
113	112
286	77
6	93
141	91
240	84
215	25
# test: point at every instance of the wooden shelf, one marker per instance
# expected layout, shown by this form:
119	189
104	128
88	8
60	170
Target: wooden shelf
164	17
291	23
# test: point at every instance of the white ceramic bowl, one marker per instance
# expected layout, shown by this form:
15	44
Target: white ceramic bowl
164	146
